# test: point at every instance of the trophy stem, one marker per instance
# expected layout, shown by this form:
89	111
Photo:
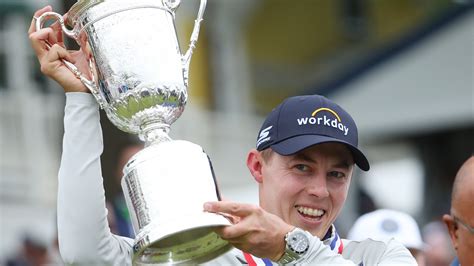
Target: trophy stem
154	133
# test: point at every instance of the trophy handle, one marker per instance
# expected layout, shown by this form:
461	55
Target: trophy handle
186	58
90	84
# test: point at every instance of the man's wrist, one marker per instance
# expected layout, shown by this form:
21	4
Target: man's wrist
297	243
282	244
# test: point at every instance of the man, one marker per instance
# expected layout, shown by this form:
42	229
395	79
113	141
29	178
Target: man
303	164
460	222
384	224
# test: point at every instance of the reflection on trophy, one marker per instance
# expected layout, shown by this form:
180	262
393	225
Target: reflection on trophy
139	77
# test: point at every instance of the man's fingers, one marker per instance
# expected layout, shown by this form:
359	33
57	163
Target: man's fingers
37	40
35	16
57	52
56	26
232	208
232	233
41	39
54	32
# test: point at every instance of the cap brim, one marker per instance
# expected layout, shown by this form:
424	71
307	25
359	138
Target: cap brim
298	143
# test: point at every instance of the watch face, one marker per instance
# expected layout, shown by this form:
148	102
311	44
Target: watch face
298	242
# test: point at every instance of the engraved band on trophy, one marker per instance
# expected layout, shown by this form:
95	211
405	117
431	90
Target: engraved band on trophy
139	77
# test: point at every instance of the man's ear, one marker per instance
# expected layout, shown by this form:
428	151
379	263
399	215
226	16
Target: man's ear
452	229
254	163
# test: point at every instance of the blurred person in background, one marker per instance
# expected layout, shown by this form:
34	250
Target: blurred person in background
303	172
33	252
438	251
460	222
386	224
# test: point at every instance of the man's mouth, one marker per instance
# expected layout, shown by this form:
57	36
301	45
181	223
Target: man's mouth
310	212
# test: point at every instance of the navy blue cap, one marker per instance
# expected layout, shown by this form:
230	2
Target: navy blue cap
303	121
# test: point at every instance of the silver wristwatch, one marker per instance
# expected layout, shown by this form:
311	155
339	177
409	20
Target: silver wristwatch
297	244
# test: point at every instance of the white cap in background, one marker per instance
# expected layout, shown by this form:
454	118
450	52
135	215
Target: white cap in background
386	224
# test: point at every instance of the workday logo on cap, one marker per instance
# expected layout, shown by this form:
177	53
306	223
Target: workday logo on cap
324	120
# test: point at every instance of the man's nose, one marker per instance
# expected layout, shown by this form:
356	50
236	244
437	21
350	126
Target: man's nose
317	186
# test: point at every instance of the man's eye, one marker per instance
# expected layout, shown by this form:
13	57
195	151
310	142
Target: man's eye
302	167
336	174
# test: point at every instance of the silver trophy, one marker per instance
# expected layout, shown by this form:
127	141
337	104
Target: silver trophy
139	77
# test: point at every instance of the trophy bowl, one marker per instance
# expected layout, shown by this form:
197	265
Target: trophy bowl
135	57
137	72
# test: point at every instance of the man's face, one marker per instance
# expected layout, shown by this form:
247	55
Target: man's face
465	242
307	189
461	236
461	221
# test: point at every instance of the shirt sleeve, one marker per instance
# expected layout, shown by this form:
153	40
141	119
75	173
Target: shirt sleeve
321	254
365	253
397	254
83	229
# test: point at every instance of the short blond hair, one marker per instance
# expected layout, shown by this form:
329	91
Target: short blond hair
266	154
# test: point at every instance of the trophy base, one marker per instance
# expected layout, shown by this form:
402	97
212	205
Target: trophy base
165	186
194	243
193	246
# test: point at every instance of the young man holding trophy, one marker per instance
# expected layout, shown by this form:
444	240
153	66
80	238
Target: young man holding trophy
303	163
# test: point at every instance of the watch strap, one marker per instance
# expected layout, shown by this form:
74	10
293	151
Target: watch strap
291	255
288	257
